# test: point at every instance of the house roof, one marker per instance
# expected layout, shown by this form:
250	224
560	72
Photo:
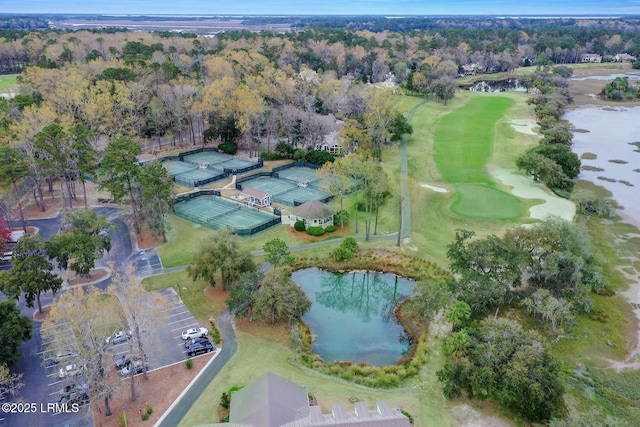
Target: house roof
254	193
312	209
269	401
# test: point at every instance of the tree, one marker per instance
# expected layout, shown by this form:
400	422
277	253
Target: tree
155	186
14	330
550	309
222	253
83	242
501	361
12	169
444	89
277	252
242	294
84	156
54	145
32	273
118	174
459	314
280	297
9	382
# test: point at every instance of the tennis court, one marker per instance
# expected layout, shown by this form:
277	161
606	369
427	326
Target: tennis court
286	191
294	174
218	160
217	213
177	168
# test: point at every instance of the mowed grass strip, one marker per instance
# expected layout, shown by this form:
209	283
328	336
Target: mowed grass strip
463	139
8	82
463	147
483	201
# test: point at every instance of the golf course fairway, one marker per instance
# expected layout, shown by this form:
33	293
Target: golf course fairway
463	145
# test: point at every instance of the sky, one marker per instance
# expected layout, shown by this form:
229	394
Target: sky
326	7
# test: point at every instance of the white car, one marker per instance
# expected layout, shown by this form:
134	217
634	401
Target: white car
118	337
194	333
71	370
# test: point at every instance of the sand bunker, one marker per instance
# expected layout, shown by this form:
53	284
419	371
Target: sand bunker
525	188
434	188
524	126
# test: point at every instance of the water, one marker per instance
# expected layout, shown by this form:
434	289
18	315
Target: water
610	134
507	85
352	315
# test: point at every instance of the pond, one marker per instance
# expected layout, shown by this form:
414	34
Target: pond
352	315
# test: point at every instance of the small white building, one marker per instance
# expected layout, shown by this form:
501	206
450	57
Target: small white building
313	213
255	197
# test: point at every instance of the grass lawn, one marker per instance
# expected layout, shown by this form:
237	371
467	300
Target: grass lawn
185	237
463	144
8	83
192	294
256	356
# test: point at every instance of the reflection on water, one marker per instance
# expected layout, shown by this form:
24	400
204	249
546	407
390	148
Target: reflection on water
352	314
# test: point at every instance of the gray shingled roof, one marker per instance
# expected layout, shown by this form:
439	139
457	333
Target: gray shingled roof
312	209
269	401
253	192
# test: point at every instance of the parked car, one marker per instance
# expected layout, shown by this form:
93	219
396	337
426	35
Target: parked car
118	337
122	360
194	333
136	366
61	356
200	348
74	388
78	397
71	370
199	340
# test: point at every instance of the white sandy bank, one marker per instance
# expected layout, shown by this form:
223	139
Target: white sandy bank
525	188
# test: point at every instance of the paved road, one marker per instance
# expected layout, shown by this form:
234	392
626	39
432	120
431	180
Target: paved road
229	348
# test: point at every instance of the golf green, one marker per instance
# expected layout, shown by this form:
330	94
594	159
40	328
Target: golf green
463	144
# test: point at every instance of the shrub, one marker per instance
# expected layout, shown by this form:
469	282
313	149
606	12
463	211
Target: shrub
341	254
189	363
341	216
350	244
315	231
225	400
330	228
215	333
122	420
228	148
144	416
149	410
408	415
264	155
299	226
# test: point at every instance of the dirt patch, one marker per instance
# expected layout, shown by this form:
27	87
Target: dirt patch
147	241
41	317
95	275
158	392
308	238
